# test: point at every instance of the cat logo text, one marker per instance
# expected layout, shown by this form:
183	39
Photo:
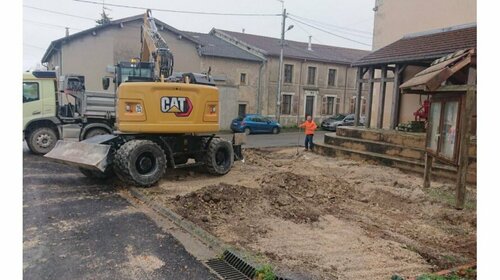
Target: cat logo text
180	106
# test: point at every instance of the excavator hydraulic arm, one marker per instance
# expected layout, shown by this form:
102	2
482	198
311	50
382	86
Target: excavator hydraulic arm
155	49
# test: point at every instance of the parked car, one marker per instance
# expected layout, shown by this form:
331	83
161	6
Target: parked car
253	123
340	120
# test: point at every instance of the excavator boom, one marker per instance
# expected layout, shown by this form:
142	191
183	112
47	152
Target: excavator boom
155	49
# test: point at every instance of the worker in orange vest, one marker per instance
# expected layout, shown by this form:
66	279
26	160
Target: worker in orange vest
310	126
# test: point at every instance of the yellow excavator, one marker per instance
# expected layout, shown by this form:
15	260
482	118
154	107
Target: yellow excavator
162	121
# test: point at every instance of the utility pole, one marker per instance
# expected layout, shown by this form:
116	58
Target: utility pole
280	77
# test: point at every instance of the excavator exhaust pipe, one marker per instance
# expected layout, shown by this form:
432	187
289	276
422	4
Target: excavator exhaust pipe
86	155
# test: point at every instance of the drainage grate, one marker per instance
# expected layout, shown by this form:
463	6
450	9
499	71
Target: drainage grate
232	267
225	270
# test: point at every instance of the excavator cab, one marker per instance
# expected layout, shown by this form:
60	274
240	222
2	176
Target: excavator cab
130	71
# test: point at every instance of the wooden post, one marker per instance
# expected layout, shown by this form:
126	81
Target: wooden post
381	97
464	139
368	117
396	96
357	107
427	170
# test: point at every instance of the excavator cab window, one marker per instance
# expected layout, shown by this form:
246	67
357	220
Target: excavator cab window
134	72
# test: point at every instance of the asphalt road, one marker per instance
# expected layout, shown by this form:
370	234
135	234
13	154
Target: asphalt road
74	228
284	139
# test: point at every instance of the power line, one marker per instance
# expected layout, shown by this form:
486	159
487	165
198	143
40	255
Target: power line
332	25
33	46
51	25
308	33
177	11
58	13
331	33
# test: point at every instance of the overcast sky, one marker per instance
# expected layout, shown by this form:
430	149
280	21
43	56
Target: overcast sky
347	18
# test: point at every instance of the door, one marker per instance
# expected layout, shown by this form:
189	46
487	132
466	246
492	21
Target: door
32	101
258	124
309	106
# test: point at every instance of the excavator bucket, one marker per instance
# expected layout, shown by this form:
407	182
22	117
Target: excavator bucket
85	154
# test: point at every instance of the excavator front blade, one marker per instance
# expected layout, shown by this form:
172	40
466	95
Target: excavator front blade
87	155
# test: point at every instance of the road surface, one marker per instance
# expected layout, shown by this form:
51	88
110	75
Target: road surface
75	228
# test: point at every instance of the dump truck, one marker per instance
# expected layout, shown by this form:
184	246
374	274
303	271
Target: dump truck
166	123
59	107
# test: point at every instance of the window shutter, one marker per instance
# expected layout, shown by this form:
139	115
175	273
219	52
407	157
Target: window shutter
295	103
337	106
353	105
324	105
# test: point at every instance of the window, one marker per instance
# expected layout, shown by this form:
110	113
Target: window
330	102
332	76
330	105
243	79
288	73
352	108
30	92
442	126
311	75
286	104
242	109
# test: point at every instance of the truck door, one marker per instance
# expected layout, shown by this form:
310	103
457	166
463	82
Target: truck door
32	101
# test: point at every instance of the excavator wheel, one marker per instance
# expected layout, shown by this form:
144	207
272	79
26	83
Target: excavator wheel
140	162
220	157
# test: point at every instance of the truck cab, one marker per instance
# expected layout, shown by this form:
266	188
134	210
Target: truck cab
40	122
52	112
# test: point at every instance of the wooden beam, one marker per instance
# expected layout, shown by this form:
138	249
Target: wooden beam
427	170
376	80
464	140
358	97
381	99
395	98
369	102
457	87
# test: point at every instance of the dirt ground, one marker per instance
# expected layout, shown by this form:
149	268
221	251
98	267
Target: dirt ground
327	218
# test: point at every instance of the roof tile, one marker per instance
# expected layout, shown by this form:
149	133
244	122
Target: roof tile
423	47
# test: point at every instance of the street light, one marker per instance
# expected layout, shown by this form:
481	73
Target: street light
280	77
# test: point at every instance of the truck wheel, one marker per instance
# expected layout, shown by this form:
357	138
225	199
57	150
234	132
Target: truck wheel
140	162
96	174
41	140
95	131
220	157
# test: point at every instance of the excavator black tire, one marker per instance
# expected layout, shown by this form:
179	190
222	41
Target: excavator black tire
219	157
140	162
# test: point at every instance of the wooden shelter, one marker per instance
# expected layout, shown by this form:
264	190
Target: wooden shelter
413	50
451	83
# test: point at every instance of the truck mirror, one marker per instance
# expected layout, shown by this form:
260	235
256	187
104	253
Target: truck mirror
105	83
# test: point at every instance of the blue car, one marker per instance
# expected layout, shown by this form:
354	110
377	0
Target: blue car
253	123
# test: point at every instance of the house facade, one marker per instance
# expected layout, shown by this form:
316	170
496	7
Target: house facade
317	79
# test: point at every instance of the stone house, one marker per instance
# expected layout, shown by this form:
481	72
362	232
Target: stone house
317	79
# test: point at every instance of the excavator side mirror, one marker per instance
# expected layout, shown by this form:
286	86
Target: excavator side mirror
105	83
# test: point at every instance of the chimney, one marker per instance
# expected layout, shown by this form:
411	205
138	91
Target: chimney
309	44
67	31
243	30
